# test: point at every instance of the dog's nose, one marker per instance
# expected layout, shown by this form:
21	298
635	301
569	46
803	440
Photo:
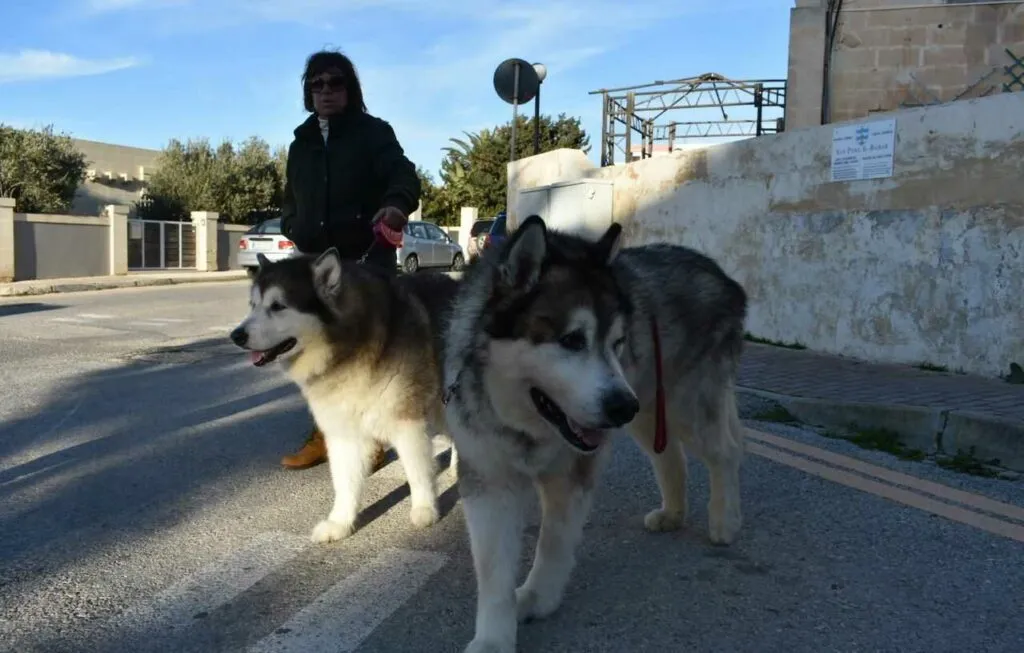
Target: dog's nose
620	407
239	336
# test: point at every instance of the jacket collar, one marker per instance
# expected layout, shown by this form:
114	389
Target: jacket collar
310	127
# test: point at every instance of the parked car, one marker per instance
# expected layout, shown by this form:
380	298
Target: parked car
264	238
497	233
425	245
477	235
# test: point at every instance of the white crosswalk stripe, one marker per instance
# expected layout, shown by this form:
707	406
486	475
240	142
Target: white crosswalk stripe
347	613
213	585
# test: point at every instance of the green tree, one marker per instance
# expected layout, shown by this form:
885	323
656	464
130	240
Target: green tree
474	172
244	184
39	169
435	202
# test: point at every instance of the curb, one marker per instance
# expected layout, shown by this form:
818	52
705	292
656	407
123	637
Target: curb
59	286
932	430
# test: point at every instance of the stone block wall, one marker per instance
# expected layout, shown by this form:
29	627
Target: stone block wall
892	54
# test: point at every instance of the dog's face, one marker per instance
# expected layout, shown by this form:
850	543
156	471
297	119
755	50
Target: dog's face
288	307
557	330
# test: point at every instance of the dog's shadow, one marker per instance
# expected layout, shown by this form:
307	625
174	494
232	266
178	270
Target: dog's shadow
446	501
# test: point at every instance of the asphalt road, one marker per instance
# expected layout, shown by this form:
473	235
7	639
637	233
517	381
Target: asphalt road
142	508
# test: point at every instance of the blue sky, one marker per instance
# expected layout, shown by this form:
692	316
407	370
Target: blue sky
139	72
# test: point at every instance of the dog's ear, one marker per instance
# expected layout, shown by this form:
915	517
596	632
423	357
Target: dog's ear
262	259
607	248
523	256
327	272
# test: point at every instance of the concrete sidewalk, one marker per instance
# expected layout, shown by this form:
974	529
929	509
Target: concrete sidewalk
133	280
934	412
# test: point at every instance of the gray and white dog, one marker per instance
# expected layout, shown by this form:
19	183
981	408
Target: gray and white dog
552	349
364	347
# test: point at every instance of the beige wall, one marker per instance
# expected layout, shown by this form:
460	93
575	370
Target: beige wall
894	53
117	175
925	266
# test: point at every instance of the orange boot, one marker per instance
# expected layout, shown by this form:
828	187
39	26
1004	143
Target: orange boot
312	453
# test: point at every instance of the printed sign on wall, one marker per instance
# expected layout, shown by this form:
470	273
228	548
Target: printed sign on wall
864	150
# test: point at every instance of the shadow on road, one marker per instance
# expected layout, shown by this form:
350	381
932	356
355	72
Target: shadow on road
23	308
122	452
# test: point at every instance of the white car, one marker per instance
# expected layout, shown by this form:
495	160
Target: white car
264	238
425	245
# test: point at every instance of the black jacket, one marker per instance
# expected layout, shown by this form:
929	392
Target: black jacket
331	193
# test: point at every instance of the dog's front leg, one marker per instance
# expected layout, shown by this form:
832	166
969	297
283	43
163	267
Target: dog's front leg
565	500
494	520
348	457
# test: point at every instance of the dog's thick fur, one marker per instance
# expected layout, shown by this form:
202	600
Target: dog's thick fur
364	348
551	319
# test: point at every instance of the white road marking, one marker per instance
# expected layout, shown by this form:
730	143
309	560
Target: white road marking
212	585
347	613
394	469
148	323
69	320
96	316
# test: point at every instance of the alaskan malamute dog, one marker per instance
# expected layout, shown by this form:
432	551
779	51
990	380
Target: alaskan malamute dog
364	348
553	347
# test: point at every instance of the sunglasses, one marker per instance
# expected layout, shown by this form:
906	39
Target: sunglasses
322	84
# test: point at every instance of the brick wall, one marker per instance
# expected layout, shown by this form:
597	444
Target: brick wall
898	53
887	57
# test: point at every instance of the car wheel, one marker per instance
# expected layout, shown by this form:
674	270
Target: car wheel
411	264
458	263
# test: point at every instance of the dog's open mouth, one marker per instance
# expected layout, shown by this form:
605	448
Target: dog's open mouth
261	358
578	436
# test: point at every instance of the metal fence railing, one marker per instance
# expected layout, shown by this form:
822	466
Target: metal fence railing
158	244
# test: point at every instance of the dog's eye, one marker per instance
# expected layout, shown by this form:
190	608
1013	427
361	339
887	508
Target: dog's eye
574	340
276	306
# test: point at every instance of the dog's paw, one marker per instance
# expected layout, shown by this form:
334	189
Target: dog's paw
481	646
723	530
331	531
424	516
531	605
663	521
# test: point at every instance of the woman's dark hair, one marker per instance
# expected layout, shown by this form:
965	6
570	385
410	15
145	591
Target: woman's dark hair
324	60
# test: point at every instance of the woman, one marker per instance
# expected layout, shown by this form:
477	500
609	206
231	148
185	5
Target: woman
346	177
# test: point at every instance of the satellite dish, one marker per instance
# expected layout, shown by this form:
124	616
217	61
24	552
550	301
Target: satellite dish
504	81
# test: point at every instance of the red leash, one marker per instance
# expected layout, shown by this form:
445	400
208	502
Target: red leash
660	429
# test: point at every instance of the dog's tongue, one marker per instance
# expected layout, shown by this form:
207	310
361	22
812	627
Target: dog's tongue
591	437
256	357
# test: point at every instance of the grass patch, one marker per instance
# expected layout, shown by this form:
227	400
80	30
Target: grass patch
776	414
967	463
887	441
774	343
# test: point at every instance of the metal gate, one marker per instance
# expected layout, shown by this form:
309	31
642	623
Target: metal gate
159	244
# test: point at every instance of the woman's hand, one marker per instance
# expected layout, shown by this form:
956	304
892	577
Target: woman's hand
391	217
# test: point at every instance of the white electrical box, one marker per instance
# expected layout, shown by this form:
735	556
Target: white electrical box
582	207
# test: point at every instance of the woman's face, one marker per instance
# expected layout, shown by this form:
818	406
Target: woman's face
329	94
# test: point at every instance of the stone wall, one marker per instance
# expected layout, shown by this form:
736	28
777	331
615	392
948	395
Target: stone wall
891	54
926	266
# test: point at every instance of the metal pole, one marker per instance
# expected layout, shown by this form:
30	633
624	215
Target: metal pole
536	123
515	110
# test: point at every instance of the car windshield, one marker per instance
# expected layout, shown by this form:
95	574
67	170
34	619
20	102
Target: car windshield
481	227
270	227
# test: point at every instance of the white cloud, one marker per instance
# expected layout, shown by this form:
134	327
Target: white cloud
29	65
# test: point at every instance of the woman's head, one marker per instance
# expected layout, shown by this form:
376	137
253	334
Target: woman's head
330	85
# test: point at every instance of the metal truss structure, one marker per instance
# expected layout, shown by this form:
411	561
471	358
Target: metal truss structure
639	108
